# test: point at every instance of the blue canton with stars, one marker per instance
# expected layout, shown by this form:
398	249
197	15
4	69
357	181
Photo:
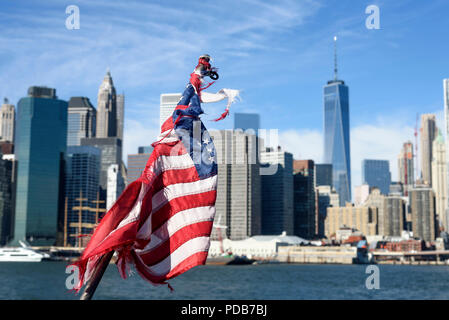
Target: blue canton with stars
194	135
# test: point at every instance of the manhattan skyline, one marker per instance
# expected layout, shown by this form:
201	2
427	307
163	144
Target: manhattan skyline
283	58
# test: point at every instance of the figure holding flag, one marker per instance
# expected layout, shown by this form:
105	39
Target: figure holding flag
162	222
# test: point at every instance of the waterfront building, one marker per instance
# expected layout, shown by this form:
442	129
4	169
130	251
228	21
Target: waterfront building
238	204
406	167
439	180
7	193
260	247
40	150
116	185
336	135
247	121
168	105
137	162
363	219
82	180
7	121
277	193
422	206
376	173
428	134
106	109
323	174
82	118
305	215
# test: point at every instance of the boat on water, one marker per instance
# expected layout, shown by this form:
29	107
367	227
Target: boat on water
229	259
21	254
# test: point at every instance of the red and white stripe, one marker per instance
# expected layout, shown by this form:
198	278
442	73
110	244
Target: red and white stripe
162	222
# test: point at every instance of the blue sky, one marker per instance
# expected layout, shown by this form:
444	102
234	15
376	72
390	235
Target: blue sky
279	53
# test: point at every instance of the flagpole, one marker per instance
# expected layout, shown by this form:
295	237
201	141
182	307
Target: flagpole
96	277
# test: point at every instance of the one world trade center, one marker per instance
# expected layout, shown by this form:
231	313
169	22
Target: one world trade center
336	134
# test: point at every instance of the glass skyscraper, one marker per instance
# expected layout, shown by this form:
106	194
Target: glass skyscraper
336	137
82	180
376	173
40	147
81	120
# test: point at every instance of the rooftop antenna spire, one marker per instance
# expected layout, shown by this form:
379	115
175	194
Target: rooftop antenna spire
335	59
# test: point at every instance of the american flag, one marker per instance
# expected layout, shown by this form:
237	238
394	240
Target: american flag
162	222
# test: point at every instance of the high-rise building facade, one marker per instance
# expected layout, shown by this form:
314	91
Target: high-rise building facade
439	180
111	153
422	206
406	167
238	201
120	115
363	219
428	135
337	149
394	216
106	109
446	135
7	188
277	193
323	174
247	121
40	150
82	120
82	181
376	173
116	185
168	105
305	216
326	197
137	162
7	121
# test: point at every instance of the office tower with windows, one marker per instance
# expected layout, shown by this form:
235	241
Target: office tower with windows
7	121
238	201
40	150
439	179
82	182
406	167
7	188
120	115
376	173
277	193
82	120
111	153
422	205
428	135
305	215
336	135
323	174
